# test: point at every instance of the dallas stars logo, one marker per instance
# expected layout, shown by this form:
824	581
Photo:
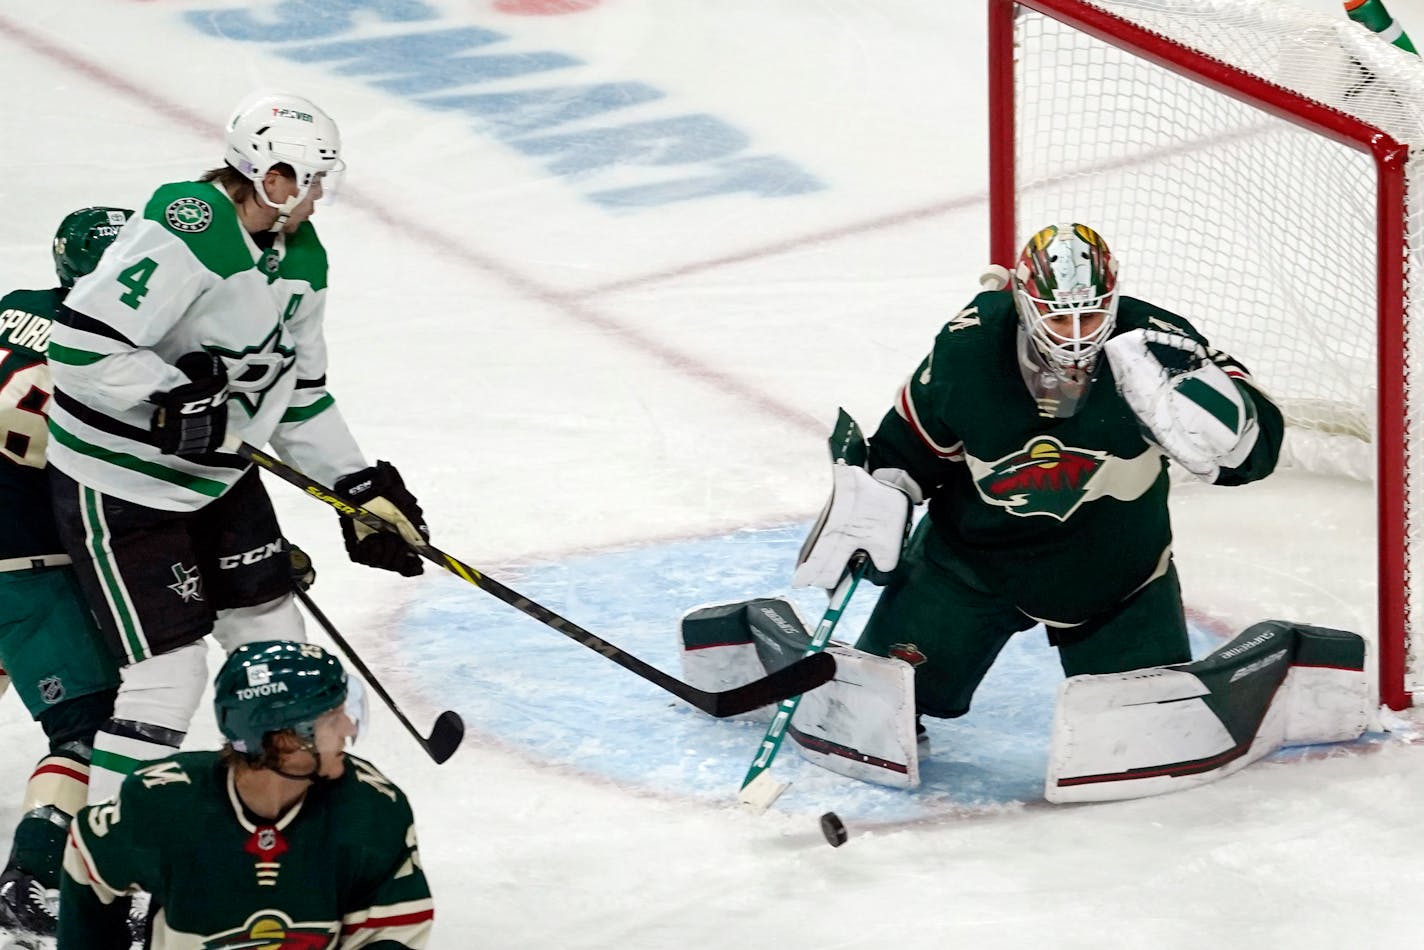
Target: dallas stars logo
189	215
189	585
253	370
1045	477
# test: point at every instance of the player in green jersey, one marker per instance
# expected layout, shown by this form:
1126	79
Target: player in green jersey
48	640
281	839
205	319
1039	430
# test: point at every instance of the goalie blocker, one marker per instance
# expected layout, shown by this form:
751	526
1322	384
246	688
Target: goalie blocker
1115	736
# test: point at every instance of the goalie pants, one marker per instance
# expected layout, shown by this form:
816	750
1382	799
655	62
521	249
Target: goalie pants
156	579
937	616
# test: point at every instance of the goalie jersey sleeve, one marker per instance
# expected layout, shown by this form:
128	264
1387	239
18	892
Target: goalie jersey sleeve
340	869
1064	517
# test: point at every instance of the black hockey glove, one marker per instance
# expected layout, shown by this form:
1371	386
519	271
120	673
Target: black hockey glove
381	492
300	568
192	419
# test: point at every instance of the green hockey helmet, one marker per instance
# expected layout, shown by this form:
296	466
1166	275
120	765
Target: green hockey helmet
81	239
273	685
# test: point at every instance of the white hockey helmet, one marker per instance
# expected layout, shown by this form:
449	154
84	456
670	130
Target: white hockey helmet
1066	270
278	128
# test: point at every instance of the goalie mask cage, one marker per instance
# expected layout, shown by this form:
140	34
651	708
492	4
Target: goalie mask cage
1254	164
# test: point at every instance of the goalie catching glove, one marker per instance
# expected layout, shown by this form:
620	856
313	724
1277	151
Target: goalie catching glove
381	491
866	512
1187	403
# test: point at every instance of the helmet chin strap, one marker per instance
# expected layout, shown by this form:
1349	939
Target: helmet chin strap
284	210
314	776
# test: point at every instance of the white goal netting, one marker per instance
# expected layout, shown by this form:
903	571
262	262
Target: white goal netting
1265	233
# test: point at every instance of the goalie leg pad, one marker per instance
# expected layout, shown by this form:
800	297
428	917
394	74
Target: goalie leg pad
862	723
1145	732
729	645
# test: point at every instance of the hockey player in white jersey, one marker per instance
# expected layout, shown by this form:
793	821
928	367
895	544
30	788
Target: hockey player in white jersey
205	318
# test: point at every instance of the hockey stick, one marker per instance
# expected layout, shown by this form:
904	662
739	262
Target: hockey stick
449	728
805	674
759	789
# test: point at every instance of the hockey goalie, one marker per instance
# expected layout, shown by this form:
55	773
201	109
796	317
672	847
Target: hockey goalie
1039	431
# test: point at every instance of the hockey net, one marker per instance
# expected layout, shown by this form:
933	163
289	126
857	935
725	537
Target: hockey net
1253	166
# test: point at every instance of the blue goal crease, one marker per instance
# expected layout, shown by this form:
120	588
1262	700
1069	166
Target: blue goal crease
531	688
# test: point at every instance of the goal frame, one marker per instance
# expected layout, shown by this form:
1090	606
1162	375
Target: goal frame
1389	157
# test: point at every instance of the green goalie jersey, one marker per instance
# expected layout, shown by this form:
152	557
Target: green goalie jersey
27	528
1063	517
339	869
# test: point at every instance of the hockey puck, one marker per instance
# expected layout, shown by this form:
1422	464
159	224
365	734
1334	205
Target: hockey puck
834	829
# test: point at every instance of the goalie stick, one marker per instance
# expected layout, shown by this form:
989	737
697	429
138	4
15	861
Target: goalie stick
759	789
803	675
449	729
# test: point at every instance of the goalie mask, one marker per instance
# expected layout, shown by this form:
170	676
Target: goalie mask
81	239
1065	290
277	128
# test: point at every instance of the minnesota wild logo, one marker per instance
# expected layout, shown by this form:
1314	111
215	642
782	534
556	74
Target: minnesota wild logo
1045	477
272	930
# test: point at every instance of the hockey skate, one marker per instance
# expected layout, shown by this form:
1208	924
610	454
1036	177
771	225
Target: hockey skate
27	908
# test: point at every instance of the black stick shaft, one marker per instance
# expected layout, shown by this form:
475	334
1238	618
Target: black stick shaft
805	674
443	740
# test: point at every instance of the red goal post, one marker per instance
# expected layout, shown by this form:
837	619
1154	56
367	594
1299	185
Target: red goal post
1251	164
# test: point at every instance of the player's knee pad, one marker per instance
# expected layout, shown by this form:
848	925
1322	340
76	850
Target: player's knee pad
276	619
164	690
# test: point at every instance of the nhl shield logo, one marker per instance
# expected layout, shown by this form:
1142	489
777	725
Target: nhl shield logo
51	689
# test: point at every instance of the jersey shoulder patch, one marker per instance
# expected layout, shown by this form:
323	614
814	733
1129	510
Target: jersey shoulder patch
202	217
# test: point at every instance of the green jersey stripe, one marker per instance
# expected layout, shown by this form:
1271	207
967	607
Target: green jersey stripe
302	413
135	644
114	762
72	357
203	486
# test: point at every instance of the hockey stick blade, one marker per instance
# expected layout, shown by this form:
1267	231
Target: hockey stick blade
449	729
791	681
800	677
445	737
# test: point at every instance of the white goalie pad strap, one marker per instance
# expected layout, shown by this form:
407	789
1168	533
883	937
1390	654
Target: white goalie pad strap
1200	417
1145	732
862	723
863	514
